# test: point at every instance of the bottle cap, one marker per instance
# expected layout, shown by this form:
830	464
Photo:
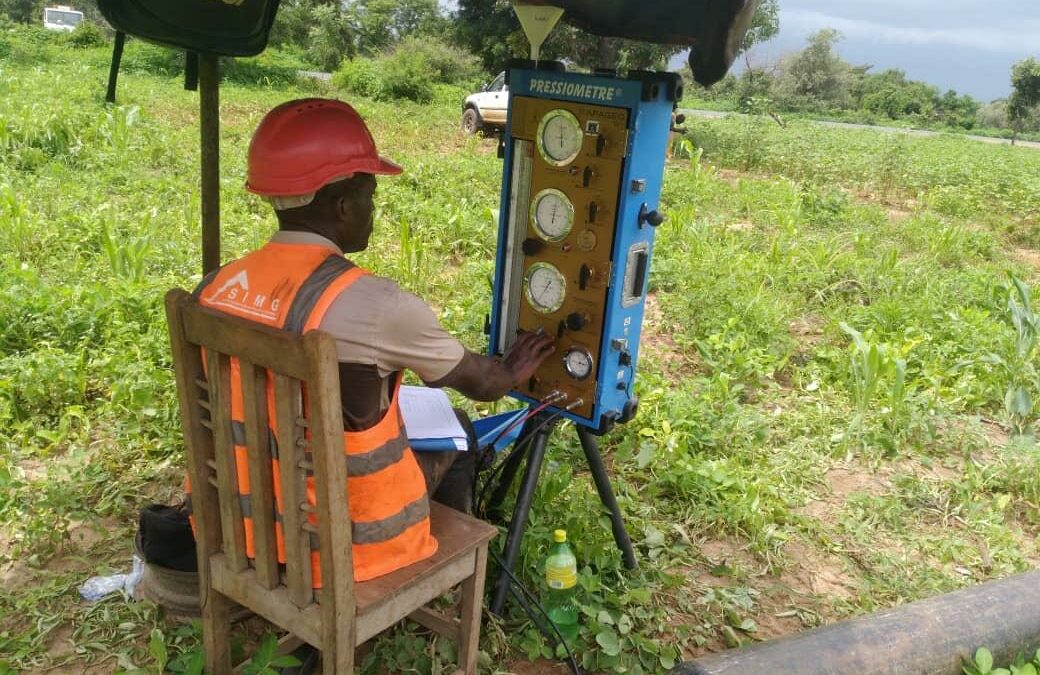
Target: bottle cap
560	536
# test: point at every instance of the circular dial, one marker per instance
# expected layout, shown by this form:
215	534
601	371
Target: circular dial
559	137
545	287
578	362
553	215
586	240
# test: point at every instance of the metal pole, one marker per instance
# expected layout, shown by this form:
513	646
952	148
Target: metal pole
606	495
113	70
931	636
521	511
209	123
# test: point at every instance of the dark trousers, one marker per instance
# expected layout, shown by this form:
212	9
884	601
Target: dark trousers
450	475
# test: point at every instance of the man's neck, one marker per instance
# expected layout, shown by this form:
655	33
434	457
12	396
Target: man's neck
305	237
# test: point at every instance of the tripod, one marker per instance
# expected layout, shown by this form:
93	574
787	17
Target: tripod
541	427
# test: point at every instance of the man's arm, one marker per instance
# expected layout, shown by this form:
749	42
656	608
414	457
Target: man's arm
485	379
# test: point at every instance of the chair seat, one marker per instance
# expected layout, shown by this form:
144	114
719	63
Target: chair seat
386	600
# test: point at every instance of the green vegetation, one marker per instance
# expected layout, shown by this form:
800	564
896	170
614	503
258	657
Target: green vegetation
982	664
835	323
817	83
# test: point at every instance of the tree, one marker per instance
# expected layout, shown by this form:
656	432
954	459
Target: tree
816	76
381	24
889	93
958	111
23	11
330	38
765	24
485	28
1025	94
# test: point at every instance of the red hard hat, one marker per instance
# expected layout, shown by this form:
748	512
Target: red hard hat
302	145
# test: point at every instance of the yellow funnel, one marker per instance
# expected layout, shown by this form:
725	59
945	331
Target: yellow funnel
538	21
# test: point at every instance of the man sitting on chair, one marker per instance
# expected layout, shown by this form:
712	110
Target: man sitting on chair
316	162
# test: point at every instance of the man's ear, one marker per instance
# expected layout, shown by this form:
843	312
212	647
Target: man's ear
342	207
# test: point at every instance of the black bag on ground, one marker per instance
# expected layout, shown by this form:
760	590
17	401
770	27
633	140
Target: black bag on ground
165	537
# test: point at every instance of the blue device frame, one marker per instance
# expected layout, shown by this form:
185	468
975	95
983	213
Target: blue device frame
649	98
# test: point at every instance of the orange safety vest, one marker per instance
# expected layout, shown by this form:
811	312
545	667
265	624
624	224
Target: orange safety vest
291	286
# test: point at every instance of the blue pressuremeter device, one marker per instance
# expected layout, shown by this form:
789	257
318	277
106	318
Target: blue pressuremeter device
584	158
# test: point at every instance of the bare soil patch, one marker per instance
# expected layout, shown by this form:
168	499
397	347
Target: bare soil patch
842	481
658	344
1027	256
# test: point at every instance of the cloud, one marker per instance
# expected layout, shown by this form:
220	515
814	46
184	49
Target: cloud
1020	40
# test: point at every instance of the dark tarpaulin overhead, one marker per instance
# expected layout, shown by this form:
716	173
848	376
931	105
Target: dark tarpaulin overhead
713	29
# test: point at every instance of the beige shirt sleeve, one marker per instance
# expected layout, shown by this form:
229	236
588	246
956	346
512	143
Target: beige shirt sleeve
376	322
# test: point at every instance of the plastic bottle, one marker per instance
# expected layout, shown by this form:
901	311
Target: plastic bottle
561	577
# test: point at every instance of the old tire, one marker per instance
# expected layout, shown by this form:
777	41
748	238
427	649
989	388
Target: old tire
471	123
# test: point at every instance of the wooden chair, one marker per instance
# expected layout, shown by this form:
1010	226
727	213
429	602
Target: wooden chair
343	614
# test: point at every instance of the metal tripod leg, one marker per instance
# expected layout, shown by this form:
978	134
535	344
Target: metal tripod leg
606	495
518	524
493	512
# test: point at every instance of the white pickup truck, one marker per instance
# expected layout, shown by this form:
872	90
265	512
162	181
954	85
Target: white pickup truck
486	110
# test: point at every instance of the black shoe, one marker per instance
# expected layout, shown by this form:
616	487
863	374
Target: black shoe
310	662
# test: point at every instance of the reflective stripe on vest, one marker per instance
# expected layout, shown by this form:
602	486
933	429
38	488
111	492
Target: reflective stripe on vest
292	286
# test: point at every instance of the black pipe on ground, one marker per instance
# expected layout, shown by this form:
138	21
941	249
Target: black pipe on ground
929	637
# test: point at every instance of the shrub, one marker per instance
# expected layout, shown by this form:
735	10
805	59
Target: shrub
993	115
273	66
144	57
448	63
407	75
359	76
87	34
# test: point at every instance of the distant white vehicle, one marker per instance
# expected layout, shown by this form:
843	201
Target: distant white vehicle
61	18
486	109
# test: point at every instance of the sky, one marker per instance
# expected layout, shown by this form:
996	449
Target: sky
965	45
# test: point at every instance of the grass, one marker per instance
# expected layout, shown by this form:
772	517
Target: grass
756	505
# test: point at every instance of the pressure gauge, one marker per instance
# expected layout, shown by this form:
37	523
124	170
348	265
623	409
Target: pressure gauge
587	240
559	137
546	287
578	362
553	215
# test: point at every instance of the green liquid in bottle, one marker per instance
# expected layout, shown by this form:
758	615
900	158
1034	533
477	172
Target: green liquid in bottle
561	578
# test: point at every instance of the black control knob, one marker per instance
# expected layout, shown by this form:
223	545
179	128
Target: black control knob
532	246
576	320
646	216
584	276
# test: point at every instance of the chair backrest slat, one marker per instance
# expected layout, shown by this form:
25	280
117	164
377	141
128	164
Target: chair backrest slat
289	409
326	438
191	383
218	371
261	475
267	347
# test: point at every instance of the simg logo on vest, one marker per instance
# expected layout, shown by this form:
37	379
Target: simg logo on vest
235	295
